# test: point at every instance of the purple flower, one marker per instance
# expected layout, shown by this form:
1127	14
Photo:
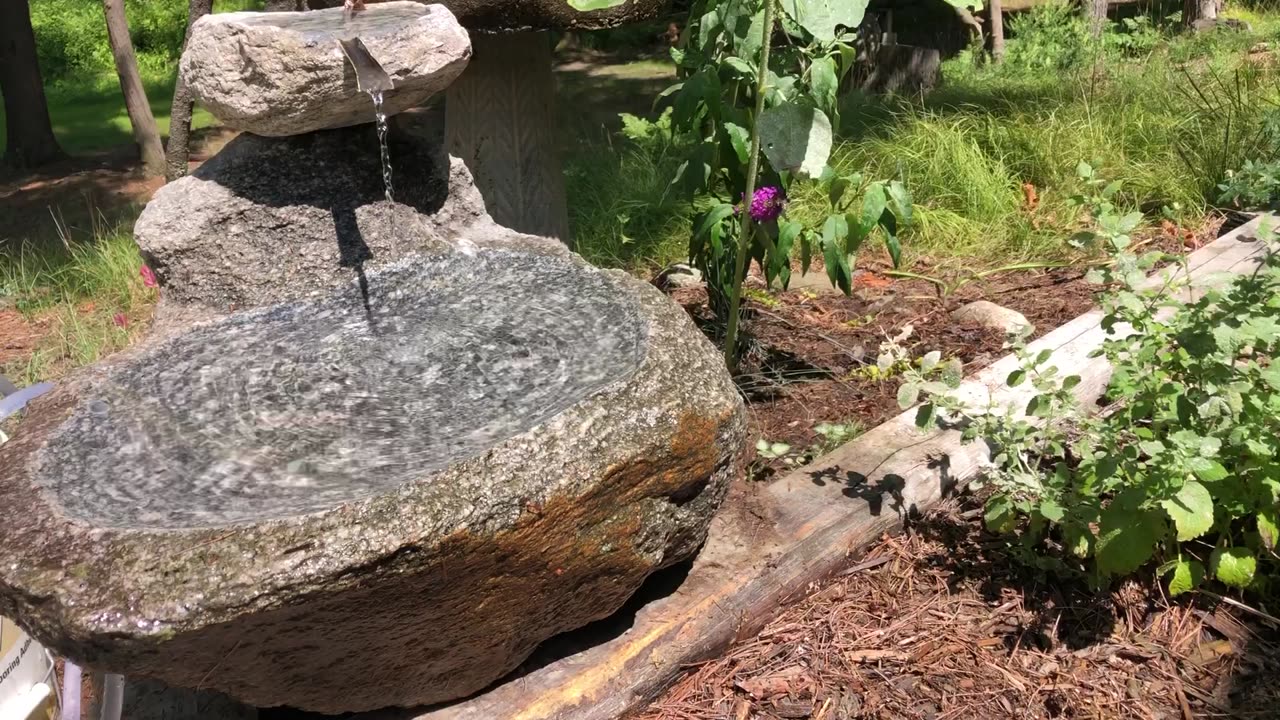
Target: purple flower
767	204
148	277
121	320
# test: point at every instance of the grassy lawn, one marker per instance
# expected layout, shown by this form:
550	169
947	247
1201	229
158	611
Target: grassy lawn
89	115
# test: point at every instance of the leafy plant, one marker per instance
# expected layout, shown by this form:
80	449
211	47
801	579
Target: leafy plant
739	96
1256	186
1052	36
1182	467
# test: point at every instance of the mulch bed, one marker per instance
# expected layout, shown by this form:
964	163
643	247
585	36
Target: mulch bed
942	623
808	349
808	352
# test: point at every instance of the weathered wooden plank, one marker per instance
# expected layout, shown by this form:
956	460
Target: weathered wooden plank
771	545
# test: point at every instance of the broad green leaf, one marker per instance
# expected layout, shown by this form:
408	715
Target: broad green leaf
740	66
837	262
1206	469
1187	576
796	138
749	45
900	201
908	394
874	203
926	414
1051	510
1127	537
741	140
1268	527
590	5
806	251
1016	377
889	222
823	82
839	186
714	217
930	360
821	17
953	373
999	514
1233	566
1191	510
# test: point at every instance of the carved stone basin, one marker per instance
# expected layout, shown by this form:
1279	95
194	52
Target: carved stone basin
344	502
301	407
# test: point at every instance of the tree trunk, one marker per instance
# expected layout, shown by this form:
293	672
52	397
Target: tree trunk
997	30
1097	16
145	132
971	22
178	153
29	139
1200	14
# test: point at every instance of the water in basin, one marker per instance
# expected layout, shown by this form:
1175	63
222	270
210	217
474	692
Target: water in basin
299	407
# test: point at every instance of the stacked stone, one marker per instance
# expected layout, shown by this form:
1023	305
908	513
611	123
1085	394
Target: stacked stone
402	447
296	202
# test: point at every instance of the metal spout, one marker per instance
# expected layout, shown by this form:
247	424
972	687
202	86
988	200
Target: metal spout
370	77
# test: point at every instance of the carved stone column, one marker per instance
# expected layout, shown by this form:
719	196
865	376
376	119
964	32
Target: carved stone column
500	120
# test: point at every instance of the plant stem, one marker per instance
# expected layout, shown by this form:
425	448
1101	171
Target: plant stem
753	166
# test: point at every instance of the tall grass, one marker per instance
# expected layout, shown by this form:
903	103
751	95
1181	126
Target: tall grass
973	152
88	299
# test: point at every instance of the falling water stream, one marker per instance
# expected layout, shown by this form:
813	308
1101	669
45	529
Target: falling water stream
380	118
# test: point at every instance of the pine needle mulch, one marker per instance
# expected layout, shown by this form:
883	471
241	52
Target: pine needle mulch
941	623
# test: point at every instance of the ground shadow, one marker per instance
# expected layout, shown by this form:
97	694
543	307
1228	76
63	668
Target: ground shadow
1067	609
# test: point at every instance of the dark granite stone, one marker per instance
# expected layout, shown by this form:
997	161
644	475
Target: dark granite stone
341	509
273	219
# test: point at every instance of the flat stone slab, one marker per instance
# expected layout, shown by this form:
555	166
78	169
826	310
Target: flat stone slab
284	73
349	502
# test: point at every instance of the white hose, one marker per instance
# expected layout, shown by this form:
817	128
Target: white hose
70	691
112	697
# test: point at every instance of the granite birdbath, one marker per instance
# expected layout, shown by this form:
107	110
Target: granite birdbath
374	452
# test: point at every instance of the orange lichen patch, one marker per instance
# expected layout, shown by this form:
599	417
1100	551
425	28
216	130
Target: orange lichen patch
691	458
1030	198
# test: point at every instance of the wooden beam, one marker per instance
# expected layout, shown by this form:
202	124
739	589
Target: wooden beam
772	544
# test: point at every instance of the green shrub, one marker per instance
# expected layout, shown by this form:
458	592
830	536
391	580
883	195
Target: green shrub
1053	36
1183	467
1256	186
71	35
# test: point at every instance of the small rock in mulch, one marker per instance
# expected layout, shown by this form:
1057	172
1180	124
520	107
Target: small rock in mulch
988	314
680	275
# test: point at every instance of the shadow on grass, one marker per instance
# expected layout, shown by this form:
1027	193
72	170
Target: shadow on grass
89	115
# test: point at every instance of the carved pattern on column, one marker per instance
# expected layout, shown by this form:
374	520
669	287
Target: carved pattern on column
500	120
